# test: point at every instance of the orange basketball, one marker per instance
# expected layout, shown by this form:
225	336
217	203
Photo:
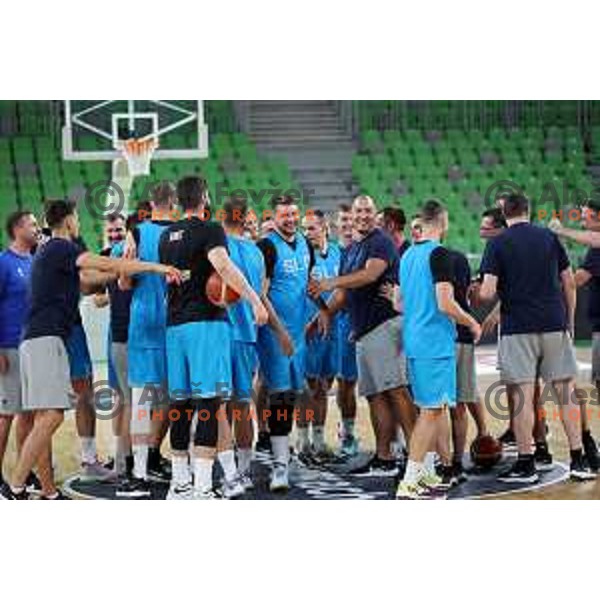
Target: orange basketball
218	293
486	451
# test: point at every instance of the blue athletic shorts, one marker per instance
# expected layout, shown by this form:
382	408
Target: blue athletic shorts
433	381
199	360
321	357
279	372
244	363
147	366
80	363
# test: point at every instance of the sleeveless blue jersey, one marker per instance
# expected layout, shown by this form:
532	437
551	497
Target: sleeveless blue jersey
428	332
148	314
289	284
249	260
325	267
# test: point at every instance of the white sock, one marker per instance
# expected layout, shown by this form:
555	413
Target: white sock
203	473
303	441
140	461
181	469
244	459
88	450
413	472
400	439
227	460
429	463
281	450
319	437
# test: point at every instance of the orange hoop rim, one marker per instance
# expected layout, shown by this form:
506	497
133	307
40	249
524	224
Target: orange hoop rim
137	147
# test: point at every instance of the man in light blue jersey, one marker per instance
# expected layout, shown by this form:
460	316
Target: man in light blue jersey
347	370
430	311
289	259
147	366
321	349
250	261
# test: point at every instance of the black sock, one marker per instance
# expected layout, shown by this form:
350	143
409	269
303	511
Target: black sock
526	459
576	455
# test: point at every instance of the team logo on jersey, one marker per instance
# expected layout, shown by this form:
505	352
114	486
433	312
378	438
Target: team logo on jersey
176	236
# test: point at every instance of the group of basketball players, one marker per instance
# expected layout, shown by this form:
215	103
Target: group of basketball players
368	309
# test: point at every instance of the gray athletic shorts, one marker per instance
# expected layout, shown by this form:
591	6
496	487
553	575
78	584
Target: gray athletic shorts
45	375
466	380
595	357
10	384
380	359
119	358
524	356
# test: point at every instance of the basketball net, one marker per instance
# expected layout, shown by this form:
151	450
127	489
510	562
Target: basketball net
138	154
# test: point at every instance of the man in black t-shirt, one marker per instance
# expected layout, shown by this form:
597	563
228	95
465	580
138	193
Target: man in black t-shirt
528	268
589	274
467	395
198	338
55	287
370	263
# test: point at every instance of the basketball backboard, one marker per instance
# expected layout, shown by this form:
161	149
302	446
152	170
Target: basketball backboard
94	128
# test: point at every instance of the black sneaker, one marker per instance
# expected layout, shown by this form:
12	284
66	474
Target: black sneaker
159	468
59	496
377	467
32	484
508	439
6	493
542	458
590	450
459	473
579	472
263	444
448	476
134	488
520	472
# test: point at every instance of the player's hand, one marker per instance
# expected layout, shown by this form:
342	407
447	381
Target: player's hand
129	249
4	364
286	343
324	323
556	226
261	316
172	275
490	323
473	294
317	286
475	328
388	291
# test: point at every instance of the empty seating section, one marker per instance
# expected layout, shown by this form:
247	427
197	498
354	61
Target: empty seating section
459	167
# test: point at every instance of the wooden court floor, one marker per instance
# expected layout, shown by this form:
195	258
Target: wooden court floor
66	445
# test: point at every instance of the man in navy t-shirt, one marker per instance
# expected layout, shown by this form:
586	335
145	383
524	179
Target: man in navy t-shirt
528	269
45	373
15	269
370	262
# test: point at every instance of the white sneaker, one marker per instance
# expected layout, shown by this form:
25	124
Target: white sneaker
233	489
279	479
204	495
182	491
246	481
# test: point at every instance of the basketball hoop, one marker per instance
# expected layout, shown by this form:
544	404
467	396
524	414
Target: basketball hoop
138	154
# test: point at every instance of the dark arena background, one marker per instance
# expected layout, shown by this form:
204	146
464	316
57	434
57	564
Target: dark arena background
325	153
